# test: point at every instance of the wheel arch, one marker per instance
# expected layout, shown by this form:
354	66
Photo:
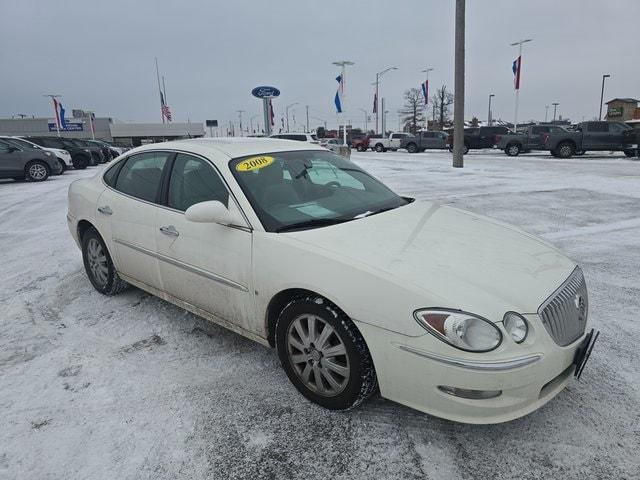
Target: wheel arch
281	300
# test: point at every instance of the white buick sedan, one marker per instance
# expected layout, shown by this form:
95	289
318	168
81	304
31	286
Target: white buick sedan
358	288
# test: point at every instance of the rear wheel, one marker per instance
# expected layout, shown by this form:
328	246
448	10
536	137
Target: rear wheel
412	148
360	148
80	162
37	171
379	148
513	150
566	150
99	266
323	354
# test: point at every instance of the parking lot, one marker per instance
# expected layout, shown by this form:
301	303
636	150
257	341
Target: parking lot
95	387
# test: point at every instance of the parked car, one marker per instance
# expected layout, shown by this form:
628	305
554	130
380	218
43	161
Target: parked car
20	162
301	137
104	148
478	138
80	156
382	143
361	144
593	136
422	141
532	138
62	155
332	144
97	153
358	288
114	150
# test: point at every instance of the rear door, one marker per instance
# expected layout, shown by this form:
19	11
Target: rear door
595	136
207	265
128	208
618	136
535	141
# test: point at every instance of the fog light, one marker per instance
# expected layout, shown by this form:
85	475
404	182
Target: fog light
472	394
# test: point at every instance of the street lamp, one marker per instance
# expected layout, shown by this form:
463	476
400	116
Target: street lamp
602	95
366	116
519	44
491	95
287	112
377	83
546	113
555	107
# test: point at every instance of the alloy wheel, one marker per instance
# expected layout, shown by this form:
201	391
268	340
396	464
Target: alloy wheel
318	355
37	171
97	262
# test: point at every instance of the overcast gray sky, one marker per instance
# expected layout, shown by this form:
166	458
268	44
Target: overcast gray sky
99	55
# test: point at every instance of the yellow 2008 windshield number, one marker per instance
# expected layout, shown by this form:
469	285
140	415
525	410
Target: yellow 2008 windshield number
254	163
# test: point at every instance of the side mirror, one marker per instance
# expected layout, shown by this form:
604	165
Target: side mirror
214	211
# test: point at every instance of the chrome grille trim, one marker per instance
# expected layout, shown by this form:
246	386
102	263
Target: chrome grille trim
564	314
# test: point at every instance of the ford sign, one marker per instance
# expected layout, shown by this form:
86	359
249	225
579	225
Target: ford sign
264	91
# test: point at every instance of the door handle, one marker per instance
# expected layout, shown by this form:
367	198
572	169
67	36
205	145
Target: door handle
105	210
170	230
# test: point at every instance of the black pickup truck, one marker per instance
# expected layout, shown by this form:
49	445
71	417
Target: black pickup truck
479	137
532	138
593	136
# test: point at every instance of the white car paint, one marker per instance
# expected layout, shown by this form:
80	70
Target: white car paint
377	269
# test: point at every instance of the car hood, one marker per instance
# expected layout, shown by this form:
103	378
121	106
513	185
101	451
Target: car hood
456	259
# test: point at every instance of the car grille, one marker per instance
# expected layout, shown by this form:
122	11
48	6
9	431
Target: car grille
564	313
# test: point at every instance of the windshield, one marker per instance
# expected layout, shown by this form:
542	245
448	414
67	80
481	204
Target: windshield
306	189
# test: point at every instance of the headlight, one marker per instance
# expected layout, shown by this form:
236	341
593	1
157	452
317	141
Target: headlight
87	150
48	154
462	330
516	326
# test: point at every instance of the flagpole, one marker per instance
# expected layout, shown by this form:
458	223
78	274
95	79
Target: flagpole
55	110
517	80
343	64
426	98
159	89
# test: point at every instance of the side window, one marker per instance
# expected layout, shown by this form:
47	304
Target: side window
140	175
193	181
597	127
616	128
112	173
537	130
4	147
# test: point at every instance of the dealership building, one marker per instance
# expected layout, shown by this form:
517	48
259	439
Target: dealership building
104	128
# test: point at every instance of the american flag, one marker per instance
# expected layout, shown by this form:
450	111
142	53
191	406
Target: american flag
166	112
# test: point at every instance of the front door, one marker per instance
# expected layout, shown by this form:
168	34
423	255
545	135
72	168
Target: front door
205	264
127	212
11	160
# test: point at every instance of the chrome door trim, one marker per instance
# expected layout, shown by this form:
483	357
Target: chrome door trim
184	266
496	366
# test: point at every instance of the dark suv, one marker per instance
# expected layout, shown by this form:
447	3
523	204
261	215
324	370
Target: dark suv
96	150
19	162
80	156
478	138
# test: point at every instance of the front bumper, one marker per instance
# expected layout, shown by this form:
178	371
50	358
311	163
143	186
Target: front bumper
413	370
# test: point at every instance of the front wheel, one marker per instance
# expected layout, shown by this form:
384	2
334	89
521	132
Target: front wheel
99	266
379	148
566	150
63	165
412	148
323	354
80	162
37	171
513	150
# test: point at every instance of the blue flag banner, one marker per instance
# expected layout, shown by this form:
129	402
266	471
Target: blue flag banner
338	98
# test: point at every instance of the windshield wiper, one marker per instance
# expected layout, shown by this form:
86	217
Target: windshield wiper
368	213
316	222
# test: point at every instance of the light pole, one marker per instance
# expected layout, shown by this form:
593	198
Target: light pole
458	101
555	106
366	116
518	72
546	113
377	84
426	98
307	108
602	95
343	64
240	112
491	95
286	109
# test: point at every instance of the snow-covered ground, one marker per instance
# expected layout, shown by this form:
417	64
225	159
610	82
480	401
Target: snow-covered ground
93	387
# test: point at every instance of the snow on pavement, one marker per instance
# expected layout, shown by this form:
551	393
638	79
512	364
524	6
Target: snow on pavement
95	387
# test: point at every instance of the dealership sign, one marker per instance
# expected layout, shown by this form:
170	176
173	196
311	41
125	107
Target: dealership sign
614	112
68	127
264	91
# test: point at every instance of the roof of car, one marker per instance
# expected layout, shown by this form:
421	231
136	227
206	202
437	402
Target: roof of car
232	146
